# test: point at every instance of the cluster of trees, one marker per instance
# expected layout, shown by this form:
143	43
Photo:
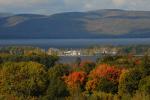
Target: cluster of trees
19	50
40	77
120	49
44	59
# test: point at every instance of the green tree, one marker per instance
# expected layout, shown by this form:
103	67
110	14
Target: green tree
57	89
144	85
87	66
146	65
23	79
107	86
48	61
128	82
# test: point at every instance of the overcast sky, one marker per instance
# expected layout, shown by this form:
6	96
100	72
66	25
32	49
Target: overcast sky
56	6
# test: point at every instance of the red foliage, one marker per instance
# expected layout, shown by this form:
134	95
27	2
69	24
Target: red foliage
75	79
111	73
106	71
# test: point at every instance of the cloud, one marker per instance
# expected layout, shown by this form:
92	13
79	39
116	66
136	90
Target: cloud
119	2
20	2
56	6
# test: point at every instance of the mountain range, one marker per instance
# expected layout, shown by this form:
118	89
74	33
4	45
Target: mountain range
106	23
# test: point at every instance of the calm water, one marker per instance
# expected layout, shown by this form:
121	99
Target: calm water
72	59
72	43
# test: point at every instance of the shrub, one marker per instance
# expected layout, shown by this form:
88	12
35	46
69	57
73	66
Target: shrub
144	85
101	96
107	86
129	80
141	96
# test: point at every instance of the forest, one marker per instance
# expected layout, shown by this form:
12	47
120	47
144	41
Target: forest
38	76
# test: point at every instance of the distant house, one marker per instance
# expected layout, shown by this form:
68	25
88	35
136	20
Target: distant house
72	53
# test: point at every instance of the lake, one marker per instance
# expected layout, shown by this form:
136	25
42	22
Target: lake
72	43
72	59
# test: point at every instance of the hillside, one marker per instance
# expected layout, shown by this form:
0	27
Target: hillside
107	23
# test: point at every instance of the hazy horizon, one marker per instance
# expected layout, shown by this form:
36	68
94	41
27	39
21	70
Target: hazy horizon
66	11
49	7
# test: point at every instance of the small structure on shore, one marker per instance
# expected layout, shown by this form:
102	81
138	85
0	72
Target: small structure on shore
72	53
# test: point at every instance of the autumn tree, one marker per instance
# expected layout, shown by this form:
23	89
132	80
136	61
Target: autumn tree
104	78
23	79
75	79
87	66
129	81
75	82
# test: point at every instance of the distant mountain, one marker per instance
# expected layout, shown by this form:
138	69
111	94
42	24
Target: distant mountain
5	14
107	23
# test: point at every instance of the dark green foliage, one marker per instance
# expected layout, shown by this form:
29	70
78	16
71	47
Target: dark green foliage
109	59
58	71
129	81
126	61
104	85
57	89
46	60
144	85
134	49
146	65
1	60
87	66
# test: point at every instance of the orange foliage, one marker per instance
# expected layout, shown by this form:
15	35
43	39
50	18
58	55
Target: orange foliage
75	79
111	73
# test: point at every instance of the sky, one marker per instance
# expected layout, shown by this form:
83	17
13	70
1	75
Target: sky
49	7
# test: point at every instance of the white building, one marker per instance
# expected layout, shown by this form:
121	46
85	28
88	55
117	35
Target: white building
72	53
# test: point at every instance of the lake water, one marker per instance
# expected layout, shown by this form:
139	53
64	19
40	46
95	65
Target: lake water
72	43
72	59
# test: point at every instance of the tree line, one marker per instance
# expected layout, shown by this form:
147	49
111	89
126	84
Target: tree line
41	77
